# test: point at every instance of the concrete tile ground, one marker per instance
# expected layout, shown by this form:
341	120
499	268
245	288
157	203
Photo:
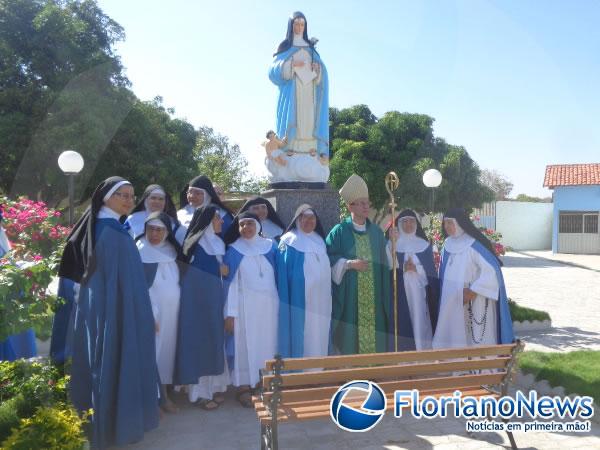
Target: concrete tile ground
233	427
585	261
570	293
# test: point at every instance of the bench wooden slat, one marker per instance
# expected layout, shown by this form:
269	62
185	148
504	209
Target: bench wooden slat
448	382
390	358
386	372
259	405
313	411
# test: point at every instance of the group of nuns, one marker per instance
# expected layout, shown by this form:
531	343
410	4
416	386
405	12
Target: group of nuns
200	299
464	303
189	298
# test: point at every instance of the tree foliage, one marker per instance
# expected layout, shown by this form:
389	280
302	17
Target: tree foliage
529	198
371	147
220	160
498	183
62	87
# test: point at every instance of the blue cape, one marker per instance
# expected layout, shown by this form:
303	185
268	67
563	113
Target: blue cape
504	326
114	357
200	335
227	221
290	284
61	325
286	104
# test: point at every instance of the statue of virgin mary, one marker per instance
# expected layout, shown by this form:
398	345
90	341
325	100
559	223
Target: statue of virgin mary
302	107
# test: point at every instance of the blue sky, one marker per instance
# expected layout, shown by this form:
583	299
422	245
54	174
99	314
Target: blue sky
515	82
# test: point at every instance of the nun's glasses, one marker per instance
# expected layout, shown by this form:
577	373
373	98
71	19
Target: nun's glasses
126	196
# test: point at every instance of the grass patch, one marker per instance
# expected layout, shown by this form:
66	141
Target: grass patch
578	372
520	313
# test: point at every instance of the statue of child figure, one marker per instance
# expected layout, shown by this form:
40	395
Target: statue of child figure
272	146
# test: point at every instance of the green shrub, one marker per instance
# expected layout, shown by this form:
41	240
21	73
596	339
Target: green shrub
9	415
24	387
521	314
39	381
57	428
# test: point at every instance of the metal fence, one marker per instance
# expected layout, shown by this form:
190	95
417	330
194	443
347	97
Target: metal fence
485	216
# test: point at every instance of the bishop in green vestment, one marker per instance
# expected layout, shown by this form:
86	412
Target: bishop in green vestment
361	283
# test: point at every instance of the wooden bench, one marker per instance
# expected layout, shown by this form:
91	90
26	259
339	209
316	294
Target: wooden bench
291	391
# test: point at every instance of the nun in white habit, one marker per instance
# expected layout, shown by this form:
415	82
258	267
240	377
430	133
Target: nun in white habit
473	305
271	224
252	306
159	252
200	193
304	284
155	198
418	286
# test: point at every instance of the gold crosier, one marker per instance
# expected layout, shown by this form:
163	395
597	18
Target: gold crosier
391	184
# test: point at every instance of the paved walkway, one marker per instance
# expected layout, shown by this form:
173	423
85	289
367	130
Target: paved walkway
571	294
566	290
236	428
591	262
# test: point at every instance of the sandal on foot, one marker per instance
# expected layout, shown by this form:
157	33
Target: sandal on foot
170	407
245	398
219	397
208	405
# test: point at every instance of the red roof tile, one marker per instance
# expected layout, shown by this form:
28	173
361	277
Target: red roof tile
571	175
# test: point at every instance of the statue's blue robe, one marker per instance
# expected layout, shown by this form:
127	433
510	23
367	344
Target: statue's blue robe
114	358
286	105
200	334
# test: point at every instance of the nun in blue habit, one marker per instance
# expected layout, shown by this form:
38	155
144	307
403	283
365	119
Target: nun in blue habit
418	284
200	345
113	368
304	284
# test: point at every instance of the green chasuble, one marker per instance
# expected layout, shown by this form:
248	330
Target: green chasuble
360	303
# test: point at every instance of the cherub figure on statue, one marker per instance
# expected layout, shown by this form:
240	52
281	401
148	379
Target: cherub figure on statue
272	146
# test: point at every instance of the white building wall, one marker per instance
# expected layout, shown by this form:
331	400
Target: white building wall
525	225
